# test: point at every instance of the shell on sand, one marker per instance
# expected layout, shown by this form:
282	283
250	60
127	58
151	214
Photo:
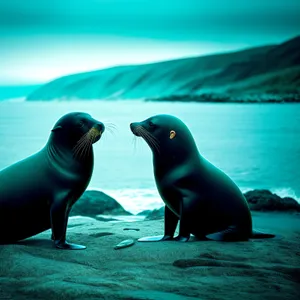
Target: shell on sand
124	244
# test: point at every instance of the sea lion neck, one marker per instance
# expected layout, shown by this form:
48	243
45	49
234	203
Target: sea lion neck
173	154
62	140
62	155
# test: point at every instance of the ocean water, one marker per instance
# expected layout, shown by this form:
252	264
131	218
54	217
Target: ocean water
257	145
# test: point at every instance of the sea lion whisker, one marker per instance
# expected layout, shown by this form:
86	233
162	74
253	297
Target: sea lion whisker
87	147
80	143
84	148
79	148
104	137
77	152
150	138
153	137
134	142
112	128
156	147
92	134
154	144
133	139
111	125
111	131
81	139
148	133
95	135
86	136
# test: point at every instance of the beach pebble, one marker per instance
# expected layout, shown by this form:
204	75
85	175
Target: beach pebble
124	244
136	229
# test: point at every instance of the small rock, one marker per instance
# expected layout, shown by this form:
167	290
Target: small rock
144	212
136	229
156	214
264	200
93	203
258	200
103	219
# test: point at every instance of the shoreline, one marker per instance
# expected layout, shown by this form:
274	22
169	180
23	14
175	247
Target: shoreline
250	98
203	98
22	100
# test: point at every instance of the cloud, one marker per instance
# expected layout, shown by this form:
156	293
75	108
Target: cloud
43	39
149	17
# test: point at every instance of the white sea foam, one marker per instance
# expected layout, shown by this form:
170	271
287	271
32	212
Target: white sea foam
20	99
286	192
135	200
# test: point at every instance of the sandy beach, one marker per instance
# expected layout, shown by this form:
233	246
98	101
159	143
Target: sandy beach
258	269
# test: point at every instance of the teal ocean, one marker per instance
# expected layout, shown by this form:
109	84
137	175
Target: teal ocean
257	145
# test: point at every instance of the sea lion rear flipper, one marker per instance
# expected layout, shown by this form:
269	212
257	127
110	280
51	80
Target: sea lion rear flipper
231	234
260	235
59	213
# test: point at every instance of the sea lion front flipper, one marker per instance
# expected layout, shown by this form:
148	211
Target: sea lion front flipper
171	221
181	238
186	214
156	238
59	214
68	246
231	234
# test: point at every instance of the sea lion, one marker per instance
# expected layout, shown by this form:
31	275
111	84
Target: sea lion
207	202
37	193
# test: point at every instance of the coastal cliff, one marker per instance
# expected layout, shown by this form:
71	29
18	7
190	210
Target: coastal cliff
261	74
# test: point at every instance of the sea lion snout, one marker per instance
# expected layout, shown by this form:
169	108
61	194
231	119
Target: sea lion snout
133	127
99	126
96	132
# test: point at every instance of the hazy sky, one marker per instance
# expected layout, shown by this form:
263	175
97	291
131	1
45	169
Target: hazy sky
41	40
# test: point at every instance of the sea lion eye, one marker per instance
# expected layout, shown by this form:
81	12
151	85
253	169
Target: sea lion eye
80	124
151	124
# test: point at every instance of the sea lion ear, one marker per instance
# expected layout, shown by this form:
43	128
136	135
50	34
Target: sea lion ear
56	128
172	134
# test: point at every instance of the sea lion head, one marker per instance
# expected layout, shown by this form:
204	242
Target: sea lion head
77	128
164	133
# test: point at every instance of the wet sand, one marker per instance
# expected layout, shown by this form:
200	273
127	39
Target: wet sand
258	269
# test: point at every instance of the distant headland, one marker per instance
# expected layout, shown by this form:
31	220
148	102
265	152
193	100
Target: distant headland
261	74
